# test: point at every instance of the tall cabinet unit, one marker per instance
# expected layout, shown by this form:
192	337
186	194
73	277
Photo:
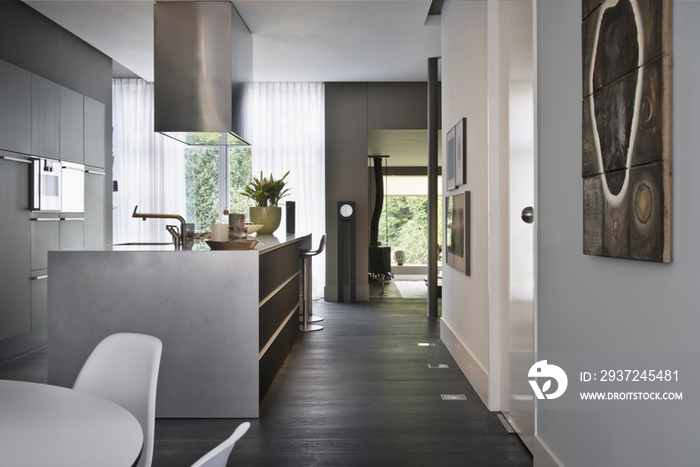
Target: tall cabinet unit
39	118
71	126
16	108
94	209
45	117
94	135
15	245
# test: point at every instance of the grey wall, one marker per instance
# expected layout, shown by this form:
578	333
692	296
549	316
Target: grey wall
34	43
351	110
587	303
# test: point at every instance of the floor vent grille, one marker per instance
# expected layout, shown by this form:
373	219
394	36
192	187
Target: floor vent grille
453	397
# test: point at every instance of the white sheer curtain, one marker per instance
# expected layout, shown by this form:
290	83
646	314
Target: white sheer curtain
288	134
148	167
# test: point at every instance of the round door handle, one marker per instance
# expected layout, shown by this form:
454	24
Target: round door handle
528	215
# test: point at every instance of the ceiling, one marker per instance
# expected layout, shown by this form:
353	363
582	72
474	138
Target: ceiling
332	40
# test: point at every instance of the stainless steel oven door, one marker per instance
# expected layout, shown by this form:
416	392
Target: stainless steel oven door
73	187
46	185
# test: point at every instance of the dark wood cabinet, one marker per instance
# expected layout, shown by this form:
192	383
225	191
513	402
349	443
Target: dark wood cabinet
14	248
94	133
71	126
45	117
15	108
279	295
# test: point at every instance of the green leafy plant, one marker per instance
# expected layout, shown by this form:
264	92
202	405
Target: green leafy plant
266	191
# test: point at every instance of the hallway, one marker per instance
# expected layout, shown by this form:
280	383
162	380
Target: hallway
358	393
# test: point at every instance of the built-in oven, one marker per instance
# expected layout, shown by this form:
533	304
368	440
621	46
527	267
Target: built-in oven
72	187
46	185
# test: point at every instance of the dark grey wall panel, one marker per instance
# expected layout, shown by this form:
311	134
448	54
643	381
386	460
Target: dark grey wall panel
94	206
71	126
14	248
397	106
351	110
15	102
45	117
346	175
34	43
94	134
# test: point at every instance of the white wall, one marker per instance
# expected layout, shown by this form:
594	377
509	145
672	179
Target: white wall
465	299
587	303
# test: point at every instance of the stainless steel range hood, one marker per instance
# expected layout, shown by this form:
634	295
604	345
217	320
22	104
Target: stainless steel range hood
203	69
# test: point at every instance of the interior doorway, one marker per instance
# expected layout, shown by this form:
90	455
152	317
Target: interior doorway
517	101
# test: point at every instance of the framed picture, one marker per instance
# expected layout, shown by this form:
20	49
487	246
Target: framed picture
458	223
460	130
451	169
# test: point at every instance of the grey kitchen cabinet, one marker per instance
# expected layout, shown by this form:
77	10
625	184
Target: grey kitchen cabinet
94	133
15	247
15	108
45	117
70	233
39	299
94	209
44	235
71	126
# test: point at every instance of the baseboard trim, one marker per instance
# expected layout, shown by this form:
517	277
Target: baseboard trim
542	456
476	374
22	343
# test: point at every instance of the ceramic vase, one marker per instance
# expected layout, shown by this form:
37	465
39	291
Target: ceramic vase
268	216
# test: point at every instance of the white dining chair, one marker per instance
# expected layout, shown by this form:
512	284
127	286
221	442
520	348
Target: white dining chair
124	369
218	456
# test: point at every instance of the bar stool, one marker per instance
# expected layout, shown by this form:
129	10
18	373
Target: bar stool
307	289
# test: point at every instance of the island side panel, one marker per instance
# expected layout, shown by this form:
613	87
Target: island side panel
280	281
203	306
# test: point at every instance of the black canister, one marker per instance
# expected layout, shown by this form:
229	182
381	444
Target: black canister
290	215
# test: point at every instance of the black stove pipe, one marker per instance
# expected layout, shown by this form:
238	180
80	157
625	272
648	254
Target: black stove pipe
378	202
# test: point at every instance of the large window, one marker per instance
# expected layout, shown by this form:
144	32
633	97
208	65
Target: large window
404	220
214	178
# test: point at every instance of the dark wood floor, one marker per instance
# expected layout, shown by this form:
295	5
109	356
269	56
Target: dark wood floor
358	393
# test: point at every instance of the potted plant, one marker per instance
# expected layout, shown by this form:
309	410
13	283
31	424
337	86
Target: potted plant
266	192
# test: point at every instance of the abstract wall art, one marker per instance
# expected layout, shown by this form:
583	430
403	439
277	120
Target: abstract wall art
458	224
626	129
451	169
457	154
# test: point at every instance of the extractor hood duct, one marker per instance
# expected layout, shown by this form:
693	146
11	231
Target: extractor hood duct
203	69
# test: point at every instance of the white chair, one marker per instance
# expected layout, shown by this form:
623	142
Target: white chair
124	369
218	456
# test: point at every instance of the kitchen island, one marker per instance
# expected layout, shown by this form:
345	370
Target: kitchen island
227	319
